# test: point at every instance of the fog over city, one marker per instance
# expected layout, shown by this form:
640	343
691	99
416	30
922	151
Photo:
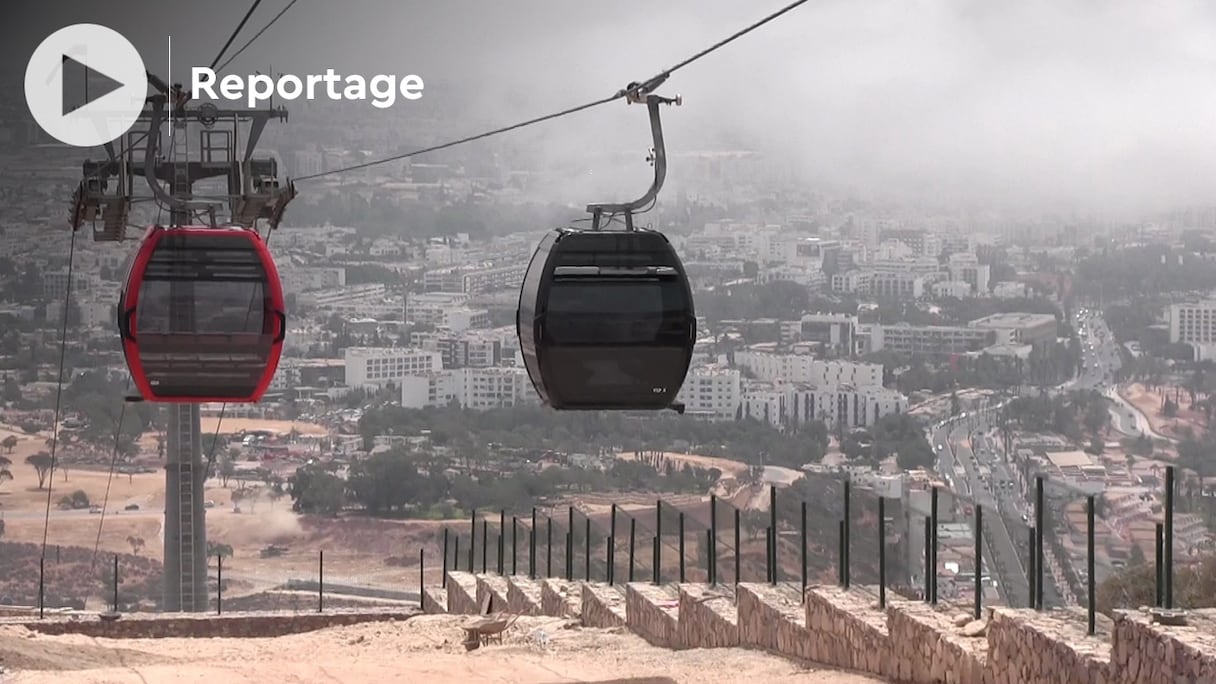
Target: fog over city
1103	107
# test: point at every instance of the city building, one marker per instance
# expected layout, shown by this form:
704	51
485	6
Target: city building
1019	328
377	366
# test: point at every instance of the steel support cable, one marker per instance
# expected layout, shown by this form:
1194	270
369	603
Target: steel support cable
255	36
632	89
63	339
105	500
253	8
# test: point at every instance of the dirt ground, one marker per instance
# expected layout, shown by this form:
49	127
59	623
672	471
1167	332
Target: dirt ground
424	649
726	465
1150	402
282	427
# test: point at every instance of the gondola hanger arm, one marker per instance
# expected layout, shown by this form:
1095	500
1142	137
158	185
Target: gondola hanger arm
638	93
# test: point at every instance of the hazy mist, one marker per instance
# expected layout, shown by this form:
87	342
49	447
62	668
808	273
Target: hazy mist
1104	106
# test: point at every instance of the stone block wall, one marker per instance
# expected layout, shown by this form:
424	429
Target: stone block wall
523	595
434	600
603	606
494	587
1029	646
560	598
848	630
651	612
1146	653
926	647
707	617
462	593
771	618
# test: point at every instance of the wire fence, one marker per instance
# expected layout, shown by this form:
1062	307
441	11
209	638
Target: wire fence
819	530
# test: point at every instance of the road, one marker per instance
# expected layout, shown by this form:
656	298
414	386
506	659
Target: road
976	469
1002	555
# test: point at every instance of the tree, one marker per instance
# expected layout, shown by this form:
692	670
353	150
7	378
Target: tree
955	406
9	443
5	474
315	489
41	463
227	468
12	389
137	543
217	550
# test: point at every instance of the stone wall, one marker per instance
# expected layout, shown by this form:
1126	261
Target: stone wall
560	598
707	617
1029	646
651	612
462	593
232	625
1145	653
848	630
771	618
603	606
523	595
927	648
495	588
434	600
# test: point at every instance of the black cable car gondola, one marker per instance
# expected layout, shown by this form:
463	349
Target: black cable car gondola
223	341
605	318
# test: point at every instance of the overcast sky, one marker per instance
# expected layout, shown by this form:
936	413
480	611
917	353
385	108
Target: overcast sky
1086	104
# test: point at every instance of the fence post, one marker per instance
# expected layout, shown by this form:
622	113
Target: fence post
502	551
658	534
116	583
548	546
979	560
421	575
587	550
802	546
320	581
485	543
681	525
712	545
933	547
1089	561
840	553
1168	539
772	517
1039	522
882	552
610	553
514	544
41	586
219	585
570	555
768	554
655	562
455	559
532	546
632	538
443	580
472	537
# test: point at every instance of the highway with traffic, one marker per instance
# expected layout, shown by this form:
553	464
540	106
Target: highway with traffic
978	470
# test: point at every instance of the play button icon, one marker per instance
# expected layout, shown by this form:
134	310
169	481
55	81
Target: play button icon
82	85
85	85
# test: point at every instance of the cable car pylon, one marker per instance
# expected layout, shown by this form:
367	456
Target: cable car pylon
254	193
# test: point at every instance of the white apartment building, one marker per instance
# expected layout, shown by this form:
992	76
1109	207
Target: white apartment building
426	308
475	279
849	407
900	286
473	388
377	366
711	390
803	368
297	279
371	299
1193	322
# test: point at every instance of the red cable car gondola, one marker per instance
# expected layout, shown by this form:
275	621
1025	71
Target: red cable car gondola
202	315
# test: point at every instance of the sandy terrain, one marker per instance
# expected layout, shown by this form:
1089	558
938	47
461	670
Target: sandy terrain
1149	403
424	649
282	427
726	465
